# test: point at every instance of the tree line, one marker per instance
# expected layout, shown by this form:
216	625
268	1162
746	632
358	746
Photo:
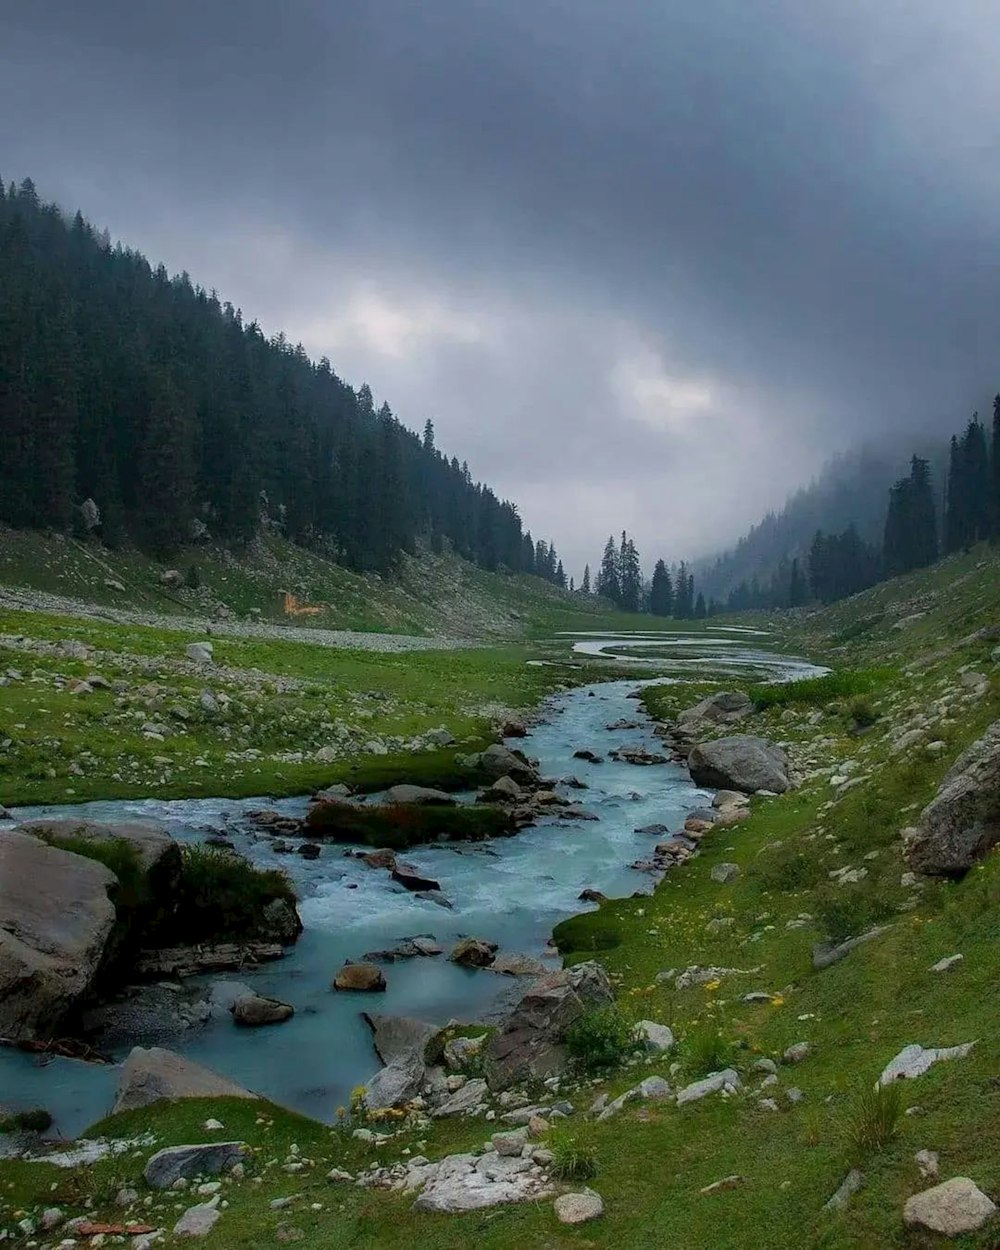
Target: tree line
619	579
137	406
917	531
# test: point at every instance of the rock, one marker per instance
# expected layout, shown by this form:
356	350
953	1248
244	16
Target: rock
513	964
199	652
113	583
149	1075
725	873
655	1037
654	1087
503	790
397	1036
460	1051
711	1084
727	1182
848	1187
730	798
913	1061
579	1208
379	859
397	1083
473	952
765	1065
592	896
158	855
436	897
463	1100
796	1053
209	1159
510	1144
198	1221
725	707
530	1042
949	961
253	1010
514	729
639	756
466	1182
411	880
962	822
927	1162
363	978
741	763
416	796
951	1208
280	921
56	918
499	761
172	577
824	954
591	757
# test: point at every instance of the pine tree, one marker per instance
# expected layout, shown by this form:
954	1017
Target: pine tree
585	585
630	575
996	468
608	584
661	595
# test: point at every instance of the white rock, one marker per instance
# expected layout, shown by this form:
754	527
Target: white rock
949	961
199	1220
655	1037
927	1162
579	1208
914	1060
951	1208
710	1085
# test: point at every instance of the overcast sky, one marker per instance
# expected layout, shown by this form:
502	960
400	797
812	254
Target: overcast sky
645	264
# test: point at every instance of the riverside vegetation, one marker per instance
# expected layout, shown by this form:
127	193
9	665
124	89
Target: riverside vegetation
723	955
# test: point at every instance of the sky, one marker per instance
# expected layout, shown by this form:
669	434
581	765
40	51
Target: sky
645	265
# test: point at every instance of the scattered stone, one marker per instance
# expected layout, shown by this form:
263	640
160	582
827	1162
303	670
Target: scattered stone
727	1182
848	1187
727	1079
198	1221
512	1143
796	1053
824	954
591	896
579	1208
954	1207
411	880
725	873
949	961
590	756
927	1162
655	1037
913	1061
361	978
467	1182
464	1100
199	652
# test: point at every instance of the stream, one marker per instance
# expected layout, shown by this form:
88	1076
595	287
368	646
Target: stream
512	891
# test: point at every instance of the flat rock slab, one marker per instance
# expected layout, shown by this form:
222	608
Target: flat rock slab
710	1085
952	1208
198	1221
207	1159
914	1060
396	1036
462	1101
151	1074
579	1208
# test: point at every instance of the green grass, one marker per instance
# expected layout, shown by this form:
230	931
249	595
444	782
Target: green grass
818	691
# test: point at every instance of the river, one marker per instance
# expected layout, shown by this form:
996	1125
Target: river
511	891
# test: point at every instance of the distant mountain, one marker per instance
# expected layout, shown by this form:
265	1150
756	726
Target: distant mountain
851	489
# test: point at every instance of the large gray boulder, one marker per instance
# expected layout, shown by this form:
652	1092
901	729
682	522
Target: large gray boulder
531	1041
397	1036
396	1083
742	762
157	854
186	1162
961	824
56	917
723	708
498	761
150	1075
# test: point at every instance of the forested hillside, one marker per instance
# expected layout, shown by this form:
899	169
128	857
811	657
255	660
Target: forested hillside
139	407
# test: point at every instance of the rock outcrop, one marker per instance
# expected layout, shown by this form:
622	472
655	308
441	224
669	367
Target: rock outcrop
531	1041
55	920
962	822
741	762
149	1075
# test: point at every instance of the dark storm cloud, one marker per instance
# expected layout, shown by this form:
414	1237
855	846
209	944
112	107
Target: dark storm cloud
645	264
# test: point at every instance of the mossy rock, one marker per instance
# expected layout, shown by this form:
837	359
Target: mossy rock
404	825
590	932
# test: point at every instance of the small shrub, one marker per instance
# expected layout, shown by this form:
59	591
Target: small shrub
788	867
37	1120
819	691
117	855
601	1039
574	1154
843	913
222	895
863	712
703	1051
875	1119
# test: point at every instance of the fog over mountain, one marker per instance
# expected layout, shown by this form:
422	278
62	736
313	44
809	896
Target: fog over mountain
644	265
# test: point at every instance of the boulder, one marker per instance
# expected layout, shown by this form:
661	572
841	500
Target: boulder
280	921
56	918
199	1220
503	790
725	707
961	824
913	1061
741	762
590	895
416	796
210	1159
396	1036
513	964
656	1038
199	652
468	1182
724	874
531	1041
359	977
252	1010
728	1078
150	1075
395	1084
579	1208
952	1208
463	1101
499	761
411	880
157	854
473	953
514	729
591	757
